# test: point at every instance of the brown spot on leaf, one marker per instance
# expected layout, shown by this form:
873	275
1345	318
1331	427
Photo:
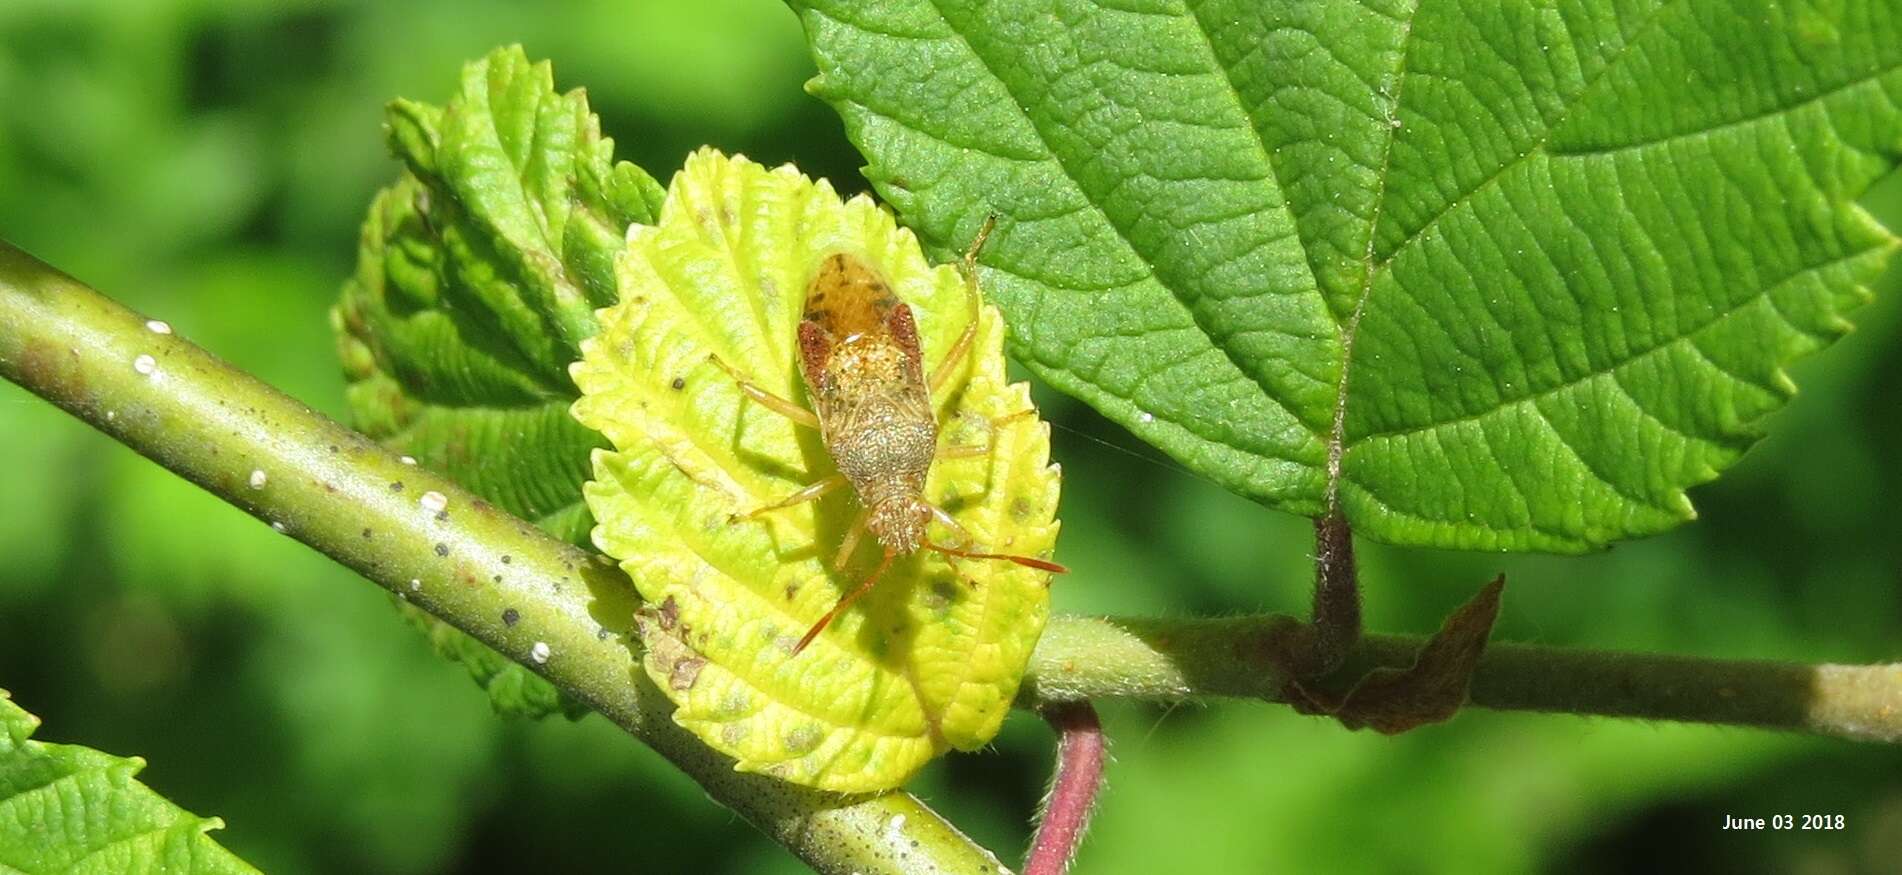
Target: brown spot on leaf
803	739
685	672
668	656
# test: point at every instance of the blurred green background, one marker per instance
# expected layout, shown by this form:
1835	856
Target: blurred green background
208	162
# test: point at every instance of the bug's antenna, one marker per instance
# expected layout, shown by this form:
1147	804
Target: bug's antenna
1026	561
844	603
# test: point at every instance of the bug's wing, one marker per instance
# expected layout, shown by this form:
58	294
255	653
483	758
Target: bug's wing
815	349
910	392
904	332
849	299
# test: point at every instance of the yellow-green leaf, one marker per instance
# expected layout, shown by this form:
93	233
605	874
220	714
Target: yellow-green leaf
930	659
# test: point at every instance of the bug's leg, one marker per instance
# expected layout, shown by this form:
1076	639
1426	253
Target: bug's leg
811	493
844	603
772	402
851	540
963	451
964	537
958	531
962	347
1000	420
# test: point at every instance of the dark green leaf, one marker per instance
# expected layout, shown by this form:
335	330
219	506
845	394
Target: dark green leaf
478	275
72	810
1562	250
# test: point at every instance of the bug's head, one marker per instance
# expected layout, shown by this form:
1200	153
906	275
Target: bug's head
899	523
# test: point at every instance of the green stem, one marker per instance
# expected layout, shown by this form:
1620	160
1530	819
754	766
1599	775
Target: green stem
1083	658
420	536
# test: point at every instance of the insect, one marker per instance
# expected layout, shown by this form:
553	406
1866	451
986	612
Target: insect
864	371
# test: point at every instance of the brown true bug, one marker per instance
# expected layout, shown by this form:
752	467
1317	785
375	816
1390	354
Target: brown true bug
864	370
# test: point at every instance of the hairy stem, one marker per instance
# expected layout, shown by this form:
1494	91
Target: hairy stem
1336	595
1081	658
1082	751
420	536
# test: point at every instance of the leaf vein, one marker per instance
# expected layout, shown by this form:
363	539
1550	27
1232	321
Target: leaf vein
1536	148
1275	173
1683	337
1055	158
1585	463
1774	114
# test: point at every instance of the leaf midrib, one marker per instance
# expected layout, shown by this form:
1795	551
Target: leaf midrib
1337	430
1057	157
1337	440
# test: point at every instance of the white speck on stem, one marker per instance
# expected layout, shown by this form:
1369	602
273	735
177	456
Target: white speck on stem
415	584
895	828
433	501
157	327
1146	417
145	364
408	460
539	652
279	528
259	478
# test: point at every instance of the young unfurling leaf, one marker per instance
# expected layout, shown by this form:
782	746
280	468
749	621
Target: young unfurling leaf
929	658
477	276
